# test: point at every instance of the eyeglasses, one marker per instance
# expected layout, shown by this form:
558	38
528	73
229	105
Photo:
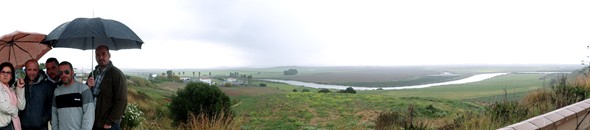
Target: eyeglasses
63	72
5	72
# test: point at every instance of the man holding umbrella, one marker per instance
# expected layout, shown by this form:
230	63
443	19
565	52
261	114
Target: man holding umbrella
108	83
109	87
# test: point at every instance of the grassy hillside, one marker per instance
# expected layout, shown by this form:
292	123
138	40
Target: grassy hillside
298	110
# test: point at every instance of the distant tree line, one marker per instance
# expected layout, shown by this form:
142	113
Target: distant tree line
290	72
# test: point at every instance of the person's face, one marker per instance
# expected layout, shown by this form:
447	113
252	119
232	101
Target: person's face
32	70
65	73
52	70
102	56
5	75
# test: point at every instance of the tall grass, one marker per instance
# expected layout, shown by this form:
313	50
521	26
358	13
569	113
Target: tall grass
394	120
220	122
563	92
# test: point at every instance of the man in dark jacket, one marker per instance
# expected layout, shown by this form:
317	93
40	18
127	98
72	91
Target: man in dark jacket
51	66
109	86
39	95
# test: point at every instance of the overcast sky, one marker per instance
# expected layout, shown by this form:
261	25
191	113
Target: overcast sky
264	33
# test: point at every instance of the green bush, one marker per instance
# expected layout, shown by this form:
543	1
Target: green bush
294	90
567	93
262	85
507	112
348	90
199	98
160	79
305	90
227	84
133	116
324	91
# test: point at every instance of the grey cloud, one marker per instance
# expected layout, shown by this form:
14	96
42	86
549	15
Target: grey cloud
269	36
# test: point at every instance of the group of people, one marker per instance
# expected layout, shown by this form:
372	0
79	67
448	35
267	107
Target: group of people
55	96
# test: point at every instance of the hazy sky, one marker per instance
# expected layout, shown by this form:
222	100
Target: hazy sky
264	33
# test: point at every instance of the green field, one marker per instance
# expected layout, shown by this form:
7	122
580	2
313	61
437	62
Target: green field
512	83
273	108
269	107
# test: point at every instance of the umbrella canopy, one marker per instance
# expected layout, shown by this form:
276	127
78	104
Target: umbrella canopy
19	47
88	33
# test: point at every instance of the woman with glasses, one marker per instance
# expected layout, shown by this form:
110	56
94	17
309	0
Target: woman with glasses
11	99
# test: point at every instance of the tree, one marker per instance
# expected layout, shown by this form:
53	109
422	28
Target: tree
193	74
199	75
305	90
169	73
249	79
42	66
199	98
290	72
209	74
348	90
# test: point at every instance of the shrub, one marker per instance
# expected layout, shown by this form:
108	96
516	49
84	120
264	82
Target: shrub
160	79
199	98
220	122
567	93
507	112
324	91
541	100
290	72
175	78
133	116
262	85
227	84
294	90
348	90
388	120
305	90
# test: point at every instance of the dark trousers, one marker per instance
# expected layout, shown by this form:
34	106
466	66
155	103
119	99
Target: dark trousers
10	126
116	126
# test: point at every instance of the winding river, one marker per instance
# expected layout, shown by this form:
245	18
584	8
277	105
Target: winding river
474	78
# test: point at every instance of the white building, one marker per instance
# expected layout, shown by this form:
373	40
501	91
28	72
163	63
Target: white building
206	80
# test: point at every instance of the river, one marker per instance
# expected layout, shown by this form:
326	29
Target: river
474	78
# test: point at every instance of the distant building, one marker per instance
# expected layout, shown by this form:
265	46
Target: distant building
231	80
206	80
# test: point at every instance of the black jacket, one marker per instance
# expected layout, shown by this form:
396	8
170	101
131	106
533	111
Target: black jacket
39	96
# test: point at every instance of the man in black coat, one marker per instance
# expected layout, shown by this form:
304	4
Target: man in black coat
39	95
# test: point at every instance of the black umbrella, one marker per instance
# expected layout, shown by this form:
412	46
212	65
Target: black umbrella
88	33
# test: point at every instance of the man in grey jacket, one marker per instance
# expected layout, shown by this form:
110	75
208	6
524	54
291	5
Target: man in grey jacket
39	95
73	103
